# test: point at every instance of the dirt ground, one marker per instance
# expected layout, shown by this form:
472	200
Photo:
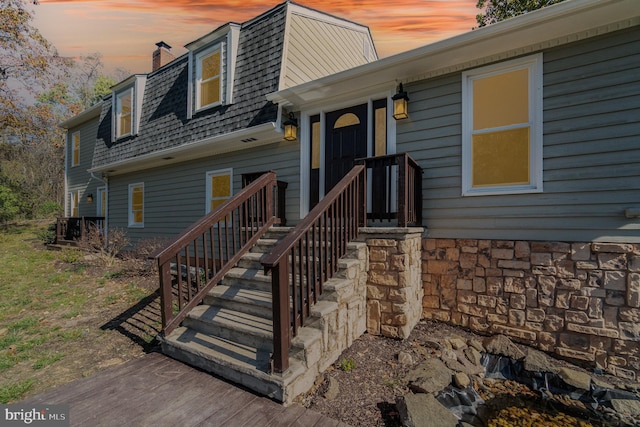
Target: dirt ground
113	332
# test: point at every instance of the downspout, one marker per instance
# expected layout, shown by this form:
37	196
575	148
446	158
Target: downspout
106	186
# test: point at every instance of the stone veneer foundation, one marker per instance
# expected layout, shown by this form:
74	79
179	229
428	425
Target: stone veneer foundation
578	300
394	287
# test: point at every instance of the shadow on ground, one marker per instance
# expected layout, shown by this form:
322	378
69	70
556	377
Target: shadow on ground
140	323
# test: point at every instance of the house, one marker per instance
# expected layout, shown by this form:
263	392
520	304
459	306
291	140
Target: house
528	135
511	185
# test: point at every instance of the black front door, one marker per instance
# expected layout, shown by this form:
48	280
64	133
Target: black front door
346	140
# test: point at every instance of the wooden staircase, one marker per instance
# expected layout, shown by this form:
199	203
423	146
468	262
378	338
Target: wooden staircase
231	333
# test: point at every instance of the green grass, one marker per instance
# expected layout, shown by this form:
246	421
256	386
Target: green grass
41	293
15	391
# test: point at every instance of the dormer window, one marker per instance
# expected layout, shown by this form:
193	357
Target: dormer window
127	106
124	112
209	78
212	62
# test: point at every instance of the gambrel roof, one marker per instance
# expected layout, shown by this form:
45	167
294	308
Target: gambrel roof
164	122
259	64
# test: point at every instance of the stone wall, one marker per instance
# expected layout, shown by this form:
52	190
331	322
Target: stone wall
579	300
394	288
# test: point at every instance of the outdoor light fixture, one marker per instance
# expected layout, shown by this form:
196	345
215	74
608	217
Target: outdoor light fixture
90	198
290	128
400	104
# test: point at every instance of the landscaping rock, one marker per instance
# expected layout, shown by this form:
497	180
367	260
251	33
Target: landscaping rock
473	356
423	410
333	389
577	379
502	345
627	407
477	344
537	361
461	380
458	343
429	377
405	358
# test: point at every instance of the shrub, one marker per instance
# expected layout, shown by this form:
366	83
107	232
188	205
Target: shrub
50	209
47	235
105	253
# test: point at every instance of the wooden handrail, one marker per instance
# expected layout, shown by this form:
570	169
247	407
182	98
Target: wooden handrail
208	249
308	257
408	189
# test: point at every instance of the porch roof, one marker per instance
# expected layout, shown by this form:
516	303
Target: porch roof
551	26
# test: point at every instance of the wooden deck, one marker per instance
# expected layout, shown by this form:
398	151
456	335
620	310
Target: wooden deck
156	390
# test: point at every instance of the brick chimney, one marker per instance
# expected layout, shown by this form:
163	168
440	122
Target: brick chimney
162	55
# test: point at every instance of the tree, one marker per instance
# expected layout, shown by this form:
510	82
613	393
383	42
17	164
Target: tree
499	10
9	206
28	62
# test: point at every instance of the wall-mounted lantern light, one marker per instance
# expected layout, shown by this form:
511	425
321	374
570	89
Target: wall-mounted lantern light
90	198
290	128
400	104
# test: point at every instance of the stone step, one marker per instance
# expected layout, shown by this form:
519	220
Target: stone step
243	328
248	278
242	364
251	260
240	298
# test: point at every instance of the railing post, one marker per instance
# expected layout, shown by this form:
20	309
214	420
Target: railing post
166	299
281	319
403	215
362	220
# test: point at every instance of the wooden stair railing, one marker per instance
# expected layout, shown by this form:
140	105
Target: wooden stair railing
208	249
401	171
308	257
72	229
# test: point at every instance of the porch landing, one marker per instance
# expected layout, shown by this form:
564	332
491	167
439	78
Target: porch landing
156	390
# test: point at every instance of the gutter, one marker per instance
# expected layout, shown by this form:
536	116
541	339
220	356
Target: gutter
228	142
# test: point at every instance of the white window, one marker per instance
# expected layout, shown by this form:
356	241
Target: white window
502	128
75	149
124	113
101	206
208	83
219	188
75	203
136	205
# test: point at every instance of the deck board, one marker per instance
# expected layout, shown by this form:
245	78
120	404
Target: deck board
155	390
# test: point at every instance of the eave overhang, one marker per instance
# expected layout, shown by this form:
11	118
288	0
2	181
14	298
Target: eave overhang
243	139
551	26
86	115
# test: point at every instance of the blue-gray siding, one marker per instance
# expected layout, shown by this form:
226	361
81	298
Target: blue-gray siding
78	179
174	196
591	151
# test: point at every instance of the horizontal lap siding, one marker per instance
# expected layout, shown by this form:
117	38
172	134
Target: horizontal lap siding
317	49
174	196
591	152
77	176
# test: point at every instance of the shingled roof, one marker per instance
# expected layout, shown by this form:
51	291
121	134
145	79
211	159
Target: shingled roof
164	122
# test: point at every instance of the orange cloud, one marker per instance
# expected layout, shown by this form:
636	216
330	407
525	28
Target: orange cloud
117	27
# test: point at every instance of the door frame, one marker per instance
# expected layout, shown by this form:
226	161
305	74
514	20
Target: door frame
305	143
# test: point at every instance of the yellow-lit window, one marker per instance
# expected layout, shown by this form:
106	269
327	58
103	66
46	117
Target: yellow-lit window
136	205
209	71
75	202
502	141
75	149
219	188
124	110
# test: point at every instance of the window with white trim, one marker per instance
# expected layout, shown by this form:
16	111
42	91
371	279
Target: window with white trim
75	149
75	203
136	205
502	128
124	113
208	81
219	188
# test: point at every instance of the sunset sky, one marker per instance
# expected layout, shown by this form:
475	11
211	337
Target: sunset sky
125	31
